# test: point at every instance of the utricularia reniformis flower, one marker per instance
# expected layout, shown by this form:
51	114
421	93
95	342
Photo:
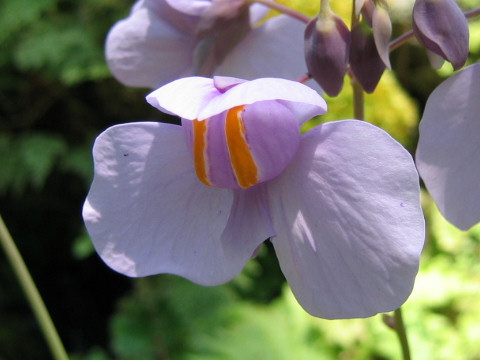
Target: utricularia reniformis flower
163	40
448	153
340	203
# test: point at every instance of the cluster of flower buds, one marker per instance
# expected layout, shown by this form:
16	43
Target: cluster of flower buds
330	47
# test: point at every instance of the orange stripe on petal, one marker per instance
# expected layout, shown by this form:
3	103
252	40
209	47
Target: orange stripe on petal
199	151
241	158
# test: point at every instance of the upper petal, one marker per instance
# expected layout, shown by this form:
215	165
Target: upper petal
197	98
274	49
184	97
191	7
349	225
145	50
147	213
448	153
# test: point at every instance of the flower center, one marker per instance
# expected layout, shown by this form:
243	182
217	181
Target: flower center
241	158
244	146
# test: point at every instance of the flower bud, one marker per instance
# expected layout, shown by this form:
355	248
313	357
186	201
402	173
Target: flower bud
442	28
366	10
382	32
358	6
365	62
327	42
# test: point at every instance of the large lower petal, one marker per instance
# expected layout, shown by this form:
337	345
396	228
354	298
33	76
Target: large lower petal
145	50
349	225
147	213
448	153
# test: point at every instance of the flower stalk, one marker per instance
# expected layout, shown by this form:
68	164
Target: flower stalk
31	293
284	9
358	100
402	333
358	95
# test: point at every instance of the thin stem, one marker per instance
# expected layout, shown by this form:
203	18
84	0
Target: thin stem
472	13
355	18
358	100
325	7
358	95
400	40
283	9
396	43
402	334
32	294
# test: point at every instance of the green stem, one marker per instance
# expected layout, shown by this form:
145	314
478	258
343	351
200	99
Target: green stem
325	7
283	9
358	95
402	334
358	100
32	294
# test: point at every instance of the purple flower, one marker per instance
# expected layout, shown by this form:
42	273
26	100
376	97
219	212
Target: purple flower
448	153
339	203
163	40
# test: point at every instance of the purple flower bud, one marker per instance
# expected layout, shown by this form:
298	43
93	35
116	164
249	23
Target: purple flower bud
442	28
382	32
327	42
366	64
358	6
367	11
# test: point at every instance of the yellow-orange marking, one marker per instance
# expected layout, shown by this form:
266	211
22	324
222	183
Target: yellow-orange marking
241	158
199	150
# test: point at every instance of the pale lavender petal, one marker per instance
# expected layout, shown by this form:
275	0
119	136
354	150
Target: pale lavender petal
147	213
184	97
257	13
273	135
249	221
190	7
146	51
349	222
448	153
310	103
274	49
197	98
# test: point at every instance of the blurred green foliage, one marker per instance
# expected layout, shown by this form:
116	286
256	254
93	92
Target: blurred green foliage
56	95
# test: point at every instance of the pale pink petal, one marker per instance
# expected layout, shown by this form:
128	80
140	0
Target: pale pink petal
144	50
448	153
147	213
349	224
